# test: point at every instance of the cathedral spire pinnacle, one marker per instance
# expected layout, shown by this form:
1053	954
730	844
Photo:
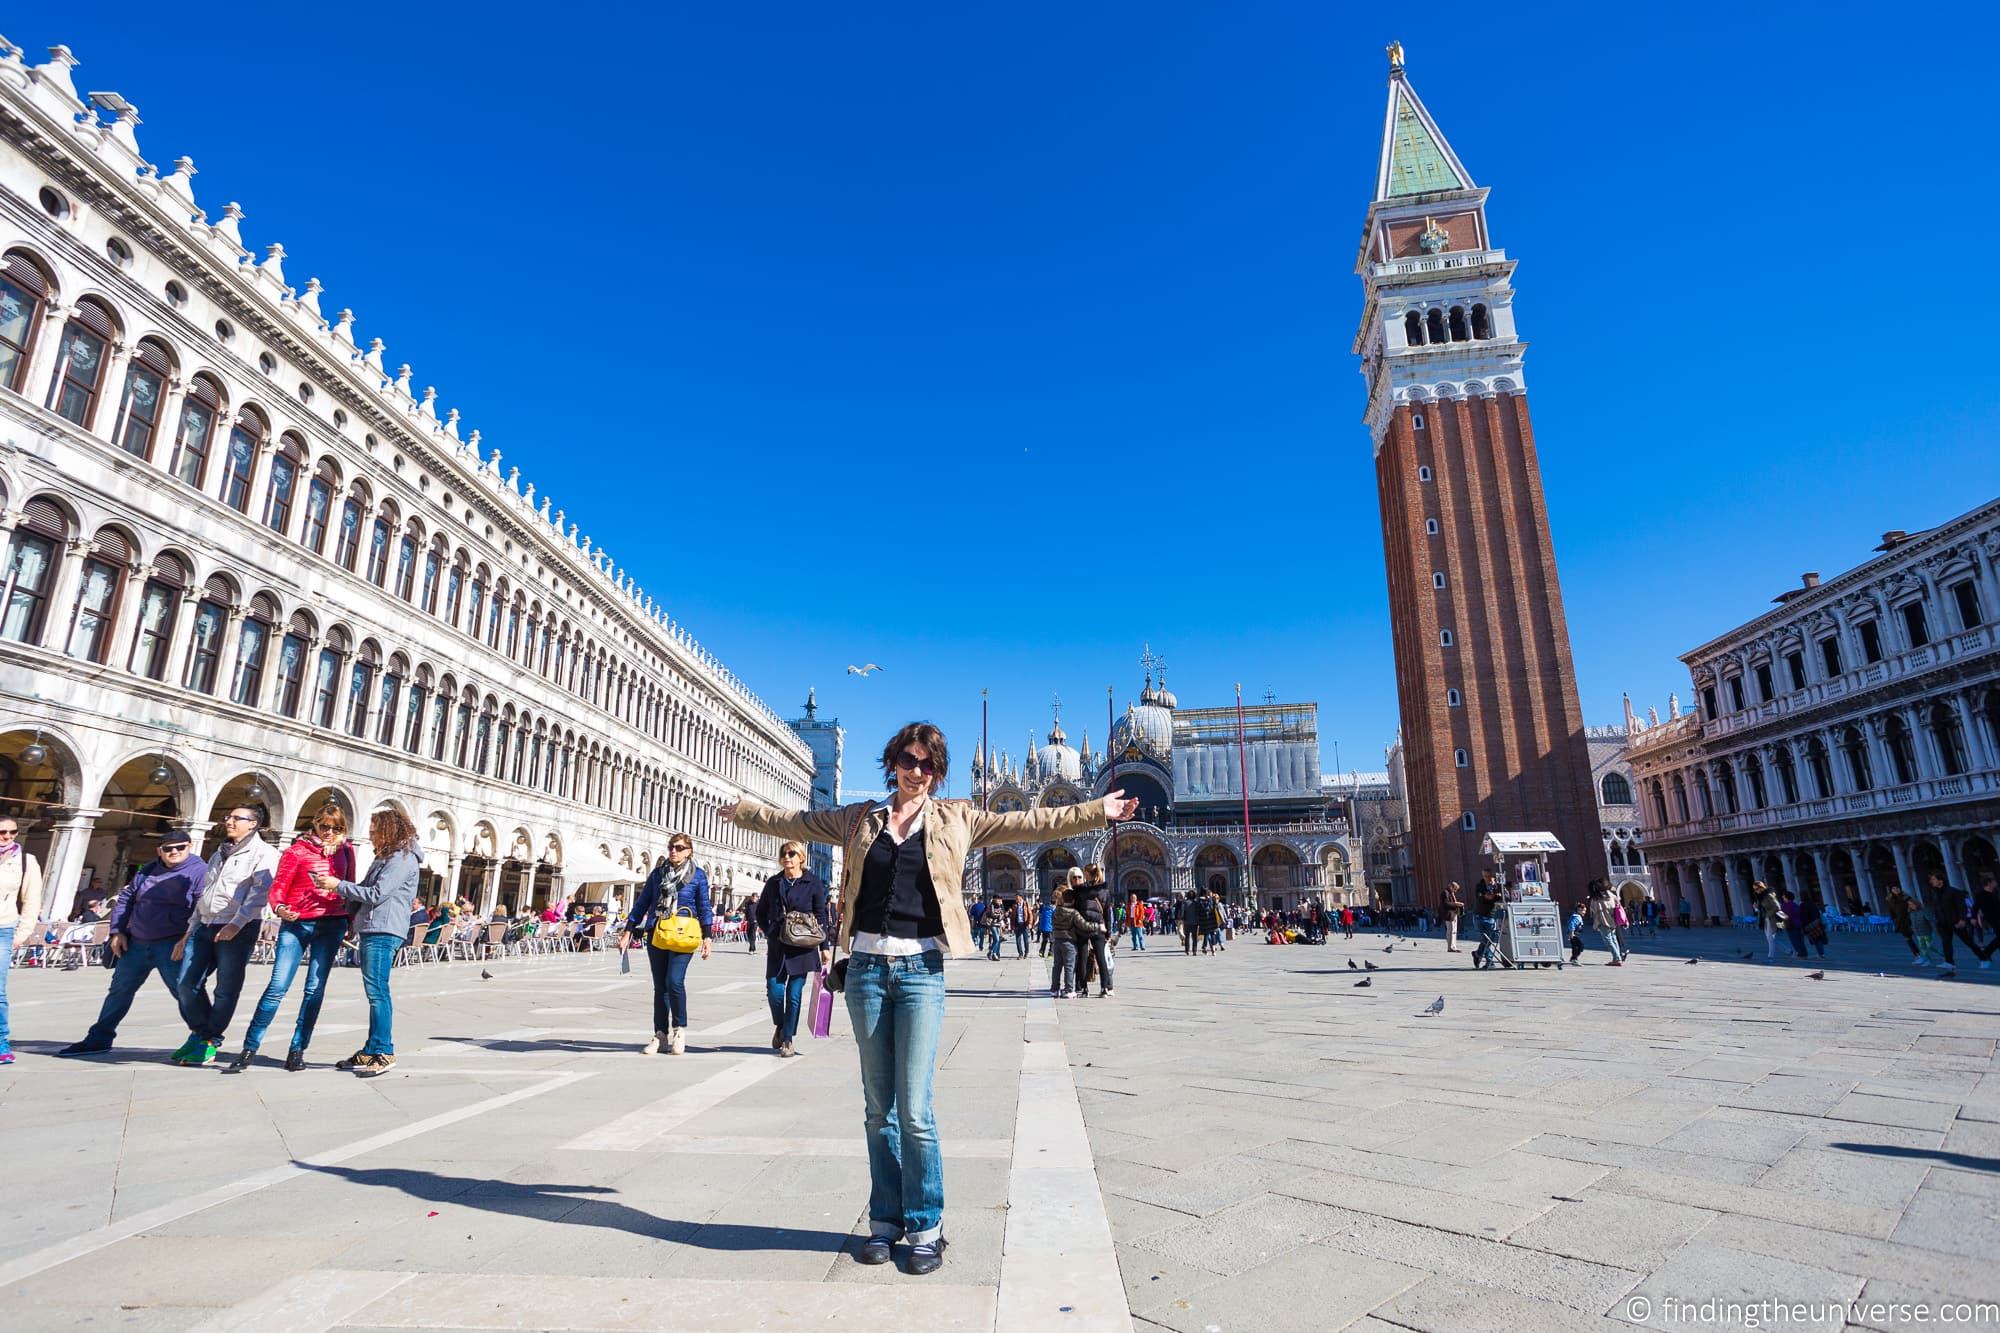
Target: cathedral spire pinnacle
1416	159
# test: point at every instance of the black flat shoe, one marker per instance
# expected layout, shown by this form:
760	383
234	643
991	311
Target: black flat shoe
295	1060
927	1258
242	1061
874	1250
777	1037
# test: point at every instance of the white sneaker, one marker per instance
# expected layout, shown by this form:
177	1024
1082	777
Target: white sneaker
653	1044
679	1041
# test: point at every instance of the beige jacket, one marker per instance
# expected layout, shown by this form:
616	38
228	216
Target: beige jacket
20	892
952	829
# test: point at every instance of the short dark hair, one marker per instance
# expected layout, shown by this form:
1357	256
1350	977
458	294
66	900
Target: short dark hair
920	733
260	810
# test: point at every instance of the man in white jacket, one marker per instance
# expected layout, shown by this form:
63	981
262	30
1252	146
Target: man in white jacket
227	918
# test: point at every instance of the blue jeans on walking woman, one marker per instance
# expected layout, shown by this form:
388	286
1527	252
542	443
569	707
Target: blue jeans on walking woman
315	941
786	994
896	1006
376	954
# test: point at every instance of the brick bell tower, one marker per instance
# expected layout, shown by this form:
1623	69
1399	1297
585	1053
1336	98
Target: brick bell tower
1493	736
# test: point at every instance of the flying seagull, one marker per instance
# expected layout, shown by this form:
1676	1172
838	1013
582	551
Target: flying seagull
853	670
1436	1006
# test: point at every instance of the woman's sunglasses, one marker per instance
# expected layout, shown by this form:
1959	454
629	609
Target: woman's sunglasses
910	763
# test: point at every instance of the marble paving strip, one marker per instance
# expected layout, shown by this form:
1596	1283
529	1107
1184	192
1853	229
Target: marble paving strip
638	1130
306	1302
77	1247
1058	1267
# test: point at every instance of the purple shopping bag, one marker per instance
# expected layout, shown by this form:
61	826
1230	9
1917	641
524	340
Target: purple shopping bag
822	1006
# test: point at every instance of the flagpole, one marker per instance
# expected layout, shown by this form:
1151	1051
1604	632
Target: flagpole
1243	768
1110	724
985	785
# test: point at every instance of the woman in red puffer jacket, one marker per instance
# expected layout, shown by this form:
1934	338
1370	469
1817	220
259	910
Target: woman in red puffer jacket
313	924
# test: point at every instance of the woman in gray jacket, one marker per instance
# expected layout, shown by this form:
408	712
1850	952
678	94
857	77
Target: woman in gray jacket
383	897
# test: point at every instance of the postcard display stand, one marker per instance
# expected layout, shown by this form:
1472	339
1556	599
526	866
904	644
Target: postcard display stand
1530	921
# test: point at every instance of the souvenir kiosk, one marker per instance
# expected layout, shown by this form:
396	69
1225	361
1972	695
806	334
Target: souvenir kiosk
1530	921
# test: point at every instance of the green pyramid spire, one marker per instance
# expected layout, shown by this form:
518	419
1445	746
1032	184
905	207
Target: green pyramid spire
1417	163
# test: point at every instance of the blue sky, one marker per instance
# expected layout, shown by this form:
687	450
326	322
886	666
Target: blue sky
991	343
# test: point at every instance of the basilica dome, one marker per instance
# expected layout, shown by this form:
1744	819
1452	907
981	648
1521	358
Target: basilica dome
1149	725
1057	759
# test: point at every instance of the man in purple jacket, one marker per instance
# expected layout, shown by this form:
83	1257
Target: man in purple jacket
149	924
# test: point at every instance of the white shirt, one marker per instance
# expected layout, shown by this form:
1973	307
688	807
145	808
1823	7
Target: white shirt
895	946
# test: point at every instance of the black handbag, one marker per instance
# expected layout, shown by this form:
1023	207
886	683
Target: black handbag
836	976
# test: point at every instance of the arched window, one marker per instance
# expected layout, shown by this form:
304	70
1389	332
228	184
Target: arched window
406	561
1616	851
319	506
1482	325
478	607
1950	738
159	606
199	412
1788	778
379	534
144	399
413	722
1725	778
434	559
392	697
347	543
1681	798
494	613
1855	748
1753	769
1452	698
440	724
240	465
1822	769
253	642
1461	758
1459	333
24	287
211	619
1617	791
1902	749
326	677
1434	327
360	688
454	590
31	570
462	729
279	491
514	614
79	374
1659	793
103	578
1413	329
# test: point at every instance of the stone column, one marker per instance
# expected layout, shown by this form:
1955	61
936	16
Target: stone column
1733	877
1954	865
225	664
178	662
61	616
1978	749
67	857
198	832
1923	746
1829	892
490	892
1864	877
125	626
111	390
35	384
1906	873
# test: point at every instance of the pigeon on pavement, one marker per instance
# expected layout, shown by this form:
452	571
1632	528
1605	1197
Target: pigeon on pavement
1815	976
1692	961
485	975
1351	967
1364	982
1436	1006
1388	948
1370	966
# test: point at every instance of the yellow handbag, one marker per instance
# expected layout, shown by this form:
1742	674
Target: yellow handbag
678	933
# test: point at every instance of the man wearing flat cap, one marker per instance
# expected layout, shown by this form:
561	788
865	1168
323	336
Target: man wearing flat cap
149	924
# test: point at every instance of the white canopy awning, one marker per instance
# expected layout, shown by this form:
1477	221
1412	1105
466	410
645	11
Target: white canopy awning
1517	843
587	867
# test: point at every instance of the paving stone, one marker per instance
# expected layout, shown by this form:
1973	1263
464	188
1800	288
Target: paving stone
1952	1222
1846	1253
1774	1205
1856	1177
1307	1289
1619	1231
1408	1203
1673	1294
1451	1305
1899	1111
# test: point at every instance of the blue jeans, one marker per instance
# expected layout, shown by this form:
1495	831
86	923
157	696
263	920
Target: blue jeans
1139	937
316	942
6	966
993	942
376	954
1610	938
226	960
1489	939
1062	977
786	995
670	987
128	974
896	1006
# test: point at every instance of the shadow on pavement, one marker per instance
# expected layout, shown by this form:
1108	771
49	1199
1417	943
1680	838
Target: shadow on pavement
572	1204
1959	1159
